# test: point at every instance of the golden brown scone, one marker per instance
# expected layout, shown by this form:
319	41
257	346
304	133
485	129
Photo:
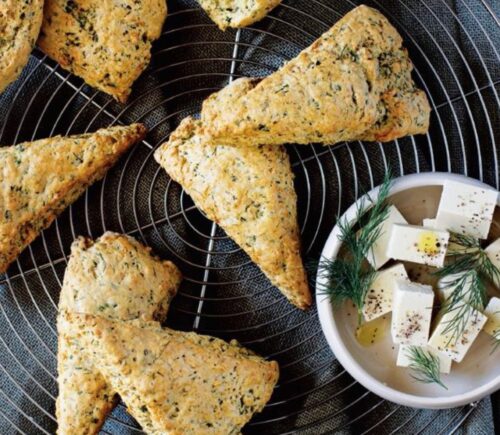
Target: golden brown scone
249	192
20	22
174	382
115	277
237	13
38	180
106	43
353	83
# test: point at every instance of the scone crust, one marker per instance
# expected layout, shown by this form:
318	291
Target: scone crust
249	192
97	268
106	43
114	277
237	13
20	23
353	83
38	180
85	398
178	382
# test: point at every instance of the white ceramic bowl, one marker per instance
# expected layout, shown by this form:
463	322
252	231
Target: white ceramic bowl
374	366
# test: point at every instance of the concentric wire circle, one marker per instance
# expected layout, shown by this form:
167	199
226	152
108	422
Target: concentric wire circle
455	51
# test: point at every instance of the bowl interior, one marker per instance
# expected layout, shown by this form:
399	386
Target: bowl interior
378	360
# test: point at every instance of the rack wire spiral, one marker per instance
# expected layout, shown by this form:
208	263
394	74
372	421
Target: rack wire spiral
454	46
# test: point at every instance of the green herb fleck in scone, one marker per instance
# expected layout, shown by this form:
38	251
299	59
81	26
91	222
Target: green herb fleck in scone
249	192
114	277
40	179
237	13
353	83
20	22
107	43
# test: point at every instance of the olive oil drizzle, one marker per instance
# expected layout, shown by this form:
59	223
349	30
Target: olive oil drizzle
373	332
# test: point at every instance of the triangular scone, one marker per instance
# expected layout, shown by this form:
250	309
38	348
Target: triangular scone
107	43
249	192
20	23
115	277
177	382
237	13
353	83
38	180
118	278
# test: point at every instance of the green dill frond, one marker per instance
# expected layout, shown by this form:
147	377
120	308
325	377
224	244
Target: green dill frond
466	274
457	324
460	244
425	366
345	281
489	269
468	286
467	253
349	277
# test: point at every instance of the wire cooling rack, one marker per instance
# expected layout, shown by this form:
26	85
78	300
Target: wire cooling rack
454	46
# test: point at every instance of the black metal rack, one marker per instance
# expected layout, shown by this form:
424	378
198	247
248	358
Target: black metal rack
454	46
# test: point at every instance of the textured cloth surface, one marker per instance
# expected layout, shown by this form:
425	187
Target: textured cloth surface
454	46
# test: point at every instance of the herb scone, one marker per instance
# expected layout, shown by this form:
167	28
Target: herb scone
107	43
38	180
249	192
353	83
20	23
177	382
115	277
237	13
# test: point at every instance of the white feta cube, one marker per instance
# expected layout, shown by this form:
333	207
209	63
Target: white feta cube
418	244
404	359
492	311
456	348
411	313
377	257
448	284
493	253
429	223
378	300
466	209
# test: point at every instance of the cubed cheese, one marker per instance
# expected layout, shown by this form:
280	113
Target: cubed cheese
446	343
411	313
377	257
378	300
493	253
404	359
418	244
492	311
466	209
447	285
429	223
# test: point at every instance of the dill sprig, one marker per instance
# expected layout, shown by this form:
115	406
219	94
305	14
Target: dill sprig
425	366
467	253
467	286
466	275
349	277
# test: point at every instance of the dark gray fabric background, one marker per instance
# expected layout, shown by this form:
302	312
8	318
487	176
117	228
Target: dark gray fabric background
454	46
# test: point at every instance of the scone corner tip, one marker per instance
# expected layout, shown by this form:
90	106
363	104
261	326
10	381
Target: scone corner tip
140	128
303	303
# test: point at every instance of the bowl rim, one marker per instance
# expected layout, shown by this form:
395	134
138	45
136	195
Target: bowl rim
332	335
